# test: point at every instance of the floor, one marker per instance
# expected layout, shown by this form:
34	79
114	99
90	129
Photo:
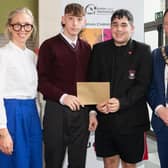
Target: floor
153	161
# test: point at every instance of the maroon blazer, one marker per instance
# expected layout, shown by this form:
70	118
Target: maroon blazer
60	66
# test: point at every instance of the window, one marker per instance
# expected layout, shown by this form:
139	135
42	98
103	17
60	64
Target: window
151	7
154	35
151	38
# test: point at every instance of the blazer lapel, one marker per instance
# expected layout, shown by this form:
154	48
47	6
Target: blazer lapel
160	74
126	63
110	59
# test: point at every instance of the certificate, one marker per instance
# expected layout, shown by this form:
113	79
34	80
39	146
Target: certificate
90	93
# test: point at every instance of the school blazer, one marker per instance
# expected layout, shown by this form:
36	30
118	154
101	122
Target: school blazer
129	81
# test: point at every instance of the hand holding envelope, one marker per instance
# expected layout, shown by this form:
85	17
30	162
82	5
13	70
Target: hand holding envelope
110	106
91	93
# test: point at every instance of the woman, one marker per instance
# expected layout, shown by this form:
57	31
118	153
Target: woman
20	131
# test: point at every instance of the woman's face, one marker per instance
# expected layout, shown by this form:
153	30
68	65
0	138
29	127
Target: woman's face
21	27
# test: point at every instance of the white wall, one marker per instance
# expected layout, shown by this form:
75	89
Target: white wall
49	18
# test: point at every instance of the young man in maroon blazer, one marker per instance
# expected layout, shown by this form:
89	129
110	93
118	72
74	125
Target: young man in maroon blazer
63	61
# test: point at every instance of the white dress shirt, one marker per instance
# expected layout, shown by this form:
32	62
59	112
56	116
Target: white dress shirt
72	43
18	76
166	81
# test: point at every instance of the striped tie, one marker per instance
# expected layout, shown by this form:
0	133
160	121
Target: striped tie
73	45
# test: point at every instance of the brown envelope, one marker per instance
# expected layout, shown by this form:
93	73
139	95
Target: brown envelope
90	93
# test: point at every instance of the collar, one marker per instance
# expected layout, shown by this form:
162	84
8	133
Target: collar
129	44
68	39
13	45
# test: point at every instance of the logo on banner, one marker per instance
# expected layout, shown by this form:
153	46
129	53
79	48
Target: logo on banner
92	9
103	13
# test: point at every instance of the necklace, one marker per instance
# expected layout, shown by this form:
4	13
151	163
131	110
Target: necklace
165	57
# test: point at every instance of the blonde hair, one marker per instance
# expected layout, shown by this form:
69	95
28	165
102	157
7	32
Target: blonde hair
11	16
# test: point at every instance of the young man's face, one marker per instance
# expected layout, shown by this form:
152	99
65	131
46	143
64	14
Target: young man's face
72	24
122	30
165	24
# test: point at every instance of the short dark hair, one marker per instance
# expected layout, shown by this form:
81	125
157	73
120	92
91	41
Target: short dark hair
120	13
74	9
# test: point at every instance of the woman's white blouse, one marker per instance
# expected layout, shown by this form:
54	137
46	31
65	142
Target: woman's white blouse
18	76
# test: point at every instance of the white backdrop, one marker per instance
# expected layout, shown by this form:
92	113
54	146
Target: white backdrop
50	13
100	15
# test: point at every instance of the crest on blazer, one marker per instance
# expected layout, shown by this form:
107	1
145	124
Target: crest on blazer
131	74
131	71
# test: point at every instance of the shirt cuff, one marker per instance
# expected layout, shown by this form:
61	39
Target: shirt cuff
61	100
157	108
3	126
92	112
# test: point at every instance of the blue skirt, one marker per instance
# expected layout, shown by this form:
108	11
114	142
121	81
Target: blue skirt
23	123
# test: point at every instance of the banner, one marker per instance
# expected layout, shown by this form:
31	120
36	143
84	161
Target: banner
98	15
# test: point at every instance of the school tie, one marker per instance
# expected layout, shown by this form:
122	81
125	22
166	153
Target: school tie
73	45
